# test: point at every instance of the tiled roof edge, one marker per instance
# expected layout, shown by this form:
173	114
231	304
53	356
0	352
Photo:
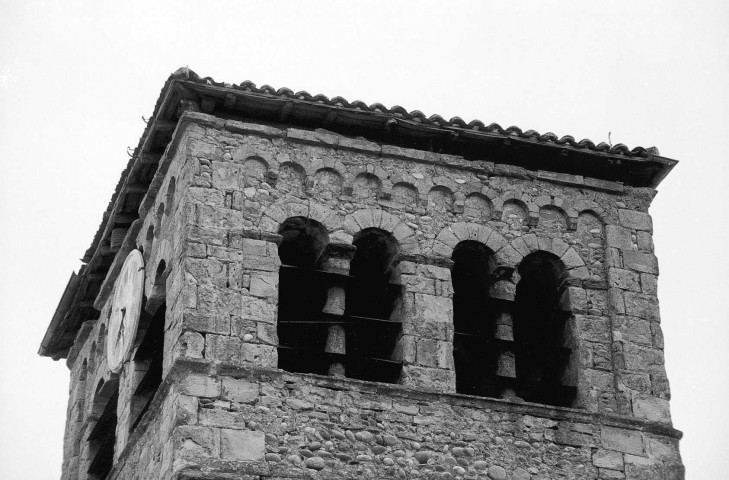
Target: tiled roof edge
418	116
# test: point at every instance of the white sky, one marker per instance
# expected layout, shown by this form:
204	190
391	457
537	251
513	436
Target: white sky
77	76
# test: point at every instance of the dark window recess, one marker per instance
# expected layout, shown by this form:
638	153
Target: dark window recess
371	297
365	336
302	295
476	347
148	365
102	439
505	348
541	313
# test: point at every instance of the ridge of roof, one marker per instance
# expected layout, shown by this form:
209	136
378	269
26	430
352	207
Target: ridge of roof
418	116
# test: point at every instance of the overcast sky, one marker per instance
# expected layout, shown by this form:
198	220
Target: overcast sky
76	77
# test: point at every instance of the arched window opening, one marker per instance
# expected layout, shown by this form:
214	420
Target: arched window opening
541	312
370	298
476	348
302	295
149	349
158	220
149	239
102	438
170	198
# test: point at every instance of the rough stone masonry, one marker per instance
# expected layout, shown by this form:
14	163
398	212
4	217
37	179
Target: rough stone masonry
261	216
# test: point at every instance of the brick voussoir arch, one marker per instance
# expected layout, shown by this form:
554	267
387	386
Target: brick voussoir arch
376	218
456	233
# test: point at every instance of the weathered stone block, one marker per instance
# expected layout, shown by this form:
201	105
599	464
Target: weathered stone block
558	177
357	144
597	301
206	323
649	284
427	352
638	382
651	408
258	309
641	305
196	441
608	459
616	301
218	301
186	410
632	329
242	444
406	349
635	220
578	299
216	217
608	474
613	258
593	328
418	284
641	262
639	358
260	355
244	127
226	176
217	417
503	170
207	270
206	235
200	386
623	279
314	137
264	285
223	349
445	355
604	185
657	335
240	390
664	449
426	378
638	466
622	440
660	386
430	308
619	237
645	241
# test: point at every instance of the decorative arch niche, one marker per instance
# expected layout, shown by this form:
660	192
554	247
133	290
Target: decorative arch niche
327	184
366	185
291	178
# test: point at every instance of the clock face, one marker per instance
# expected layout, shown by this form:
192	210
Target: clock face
125	309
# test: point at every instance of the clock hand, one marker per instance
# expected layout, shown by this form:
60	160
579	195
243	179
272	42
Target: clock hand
121	324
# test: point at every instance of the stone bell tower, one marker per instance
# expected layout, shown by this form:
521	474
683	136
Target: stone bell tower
292	286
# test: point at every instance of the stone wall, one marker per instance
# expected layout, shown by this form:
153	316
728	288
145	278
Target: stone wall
226	408
265	424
